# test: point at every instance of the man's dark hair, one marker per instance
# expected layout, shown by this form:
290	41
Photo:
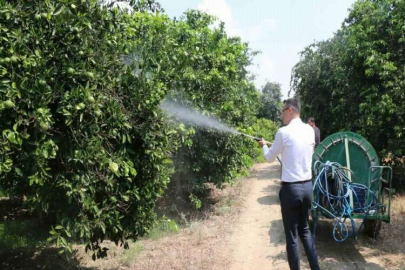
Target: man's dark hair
311	119
293	103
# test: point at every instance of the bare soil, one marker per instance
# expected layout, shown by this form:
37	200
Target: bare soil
250	235
241	230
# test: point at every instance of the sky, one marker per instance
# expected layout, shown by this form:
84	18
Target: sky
278	29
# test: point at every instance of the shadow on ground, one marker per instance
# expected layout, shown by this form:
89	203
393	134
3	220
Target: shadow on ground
269	200
340	255
332	255
273	171
45	258
23	240
276	233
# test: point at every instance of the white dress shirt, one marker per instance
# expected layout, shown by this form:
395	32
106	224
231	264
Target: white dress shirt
295	142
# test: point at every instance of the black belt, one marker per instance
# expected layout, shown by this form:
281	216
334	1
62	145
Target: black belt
296	182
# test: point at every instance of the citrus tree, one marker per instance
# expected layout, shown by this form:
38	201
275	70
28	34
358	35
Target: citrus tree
213	78
83	141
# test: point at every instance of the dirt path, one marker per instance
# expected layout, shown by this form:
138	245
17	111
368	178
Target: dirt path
258	241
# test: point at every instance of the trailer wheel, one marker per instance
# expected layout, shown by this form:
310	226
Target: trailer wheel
372	227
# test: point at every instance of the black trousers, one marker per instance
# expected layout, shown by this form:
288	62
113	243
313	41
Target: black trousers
296	199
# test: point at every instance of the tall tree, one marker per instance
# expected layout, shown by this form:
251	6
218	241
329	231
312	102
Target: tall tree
270	101
83	138
354	81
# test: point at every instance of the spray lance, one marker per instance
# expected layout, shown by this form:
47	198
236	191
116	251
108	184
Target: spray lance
258	139
253	138
250	137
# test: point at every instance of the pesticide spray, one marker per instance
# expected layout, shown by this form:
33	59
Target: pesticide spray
190	116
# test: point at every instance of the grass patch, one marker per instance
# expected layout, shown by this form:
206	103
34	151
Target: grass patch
22	234
229	202
129	255
222	211
163	227
398	204
225	206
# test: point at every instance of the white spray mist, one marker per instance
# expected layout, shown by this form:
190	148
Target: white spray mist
190	116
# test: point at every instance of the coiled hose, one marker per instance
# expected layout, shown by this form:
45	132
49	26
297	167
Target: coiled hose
332	188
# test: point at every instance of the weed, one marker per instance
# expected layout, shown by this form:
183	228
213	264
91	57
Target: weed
162	228
129	255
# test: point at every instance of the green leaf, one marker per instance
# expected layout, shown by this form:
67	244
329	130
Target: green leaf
63	240
59	10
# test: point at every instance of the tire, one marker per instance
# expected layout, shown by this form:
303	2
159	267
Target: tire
372	227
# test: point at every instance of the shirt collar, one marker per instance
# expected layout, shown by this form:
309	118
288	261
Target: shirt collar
295	121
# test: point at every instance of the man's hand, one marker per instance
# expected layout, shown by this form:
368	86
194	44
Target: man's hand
263	142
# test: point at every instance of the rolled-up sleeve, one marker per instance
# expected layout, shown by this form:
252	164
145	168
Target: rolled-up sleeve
271	153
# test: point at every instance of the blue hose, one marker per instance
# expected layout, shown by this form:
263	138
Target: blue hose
332	188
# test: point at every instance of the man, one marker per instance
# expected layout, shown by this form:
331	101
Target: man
295	142
311	122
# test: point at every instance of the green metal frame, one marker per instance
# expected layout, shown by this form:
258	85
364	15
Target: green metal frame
385	178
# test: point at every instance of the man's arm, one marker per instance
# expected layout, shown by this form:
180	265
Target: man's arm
270	154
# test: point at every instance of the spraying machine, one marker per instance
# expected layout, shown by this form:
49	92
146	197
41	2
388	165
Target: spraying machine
349	185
